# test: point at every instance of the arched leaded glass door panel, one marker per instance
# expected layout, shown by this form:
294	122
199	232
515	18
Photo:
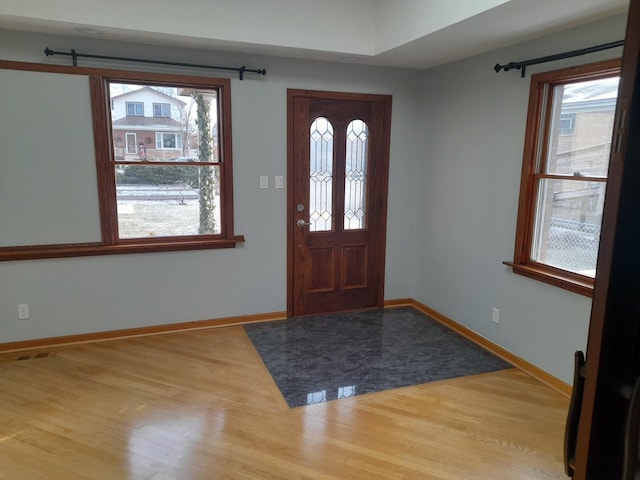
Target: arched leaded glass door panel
321	175
355	175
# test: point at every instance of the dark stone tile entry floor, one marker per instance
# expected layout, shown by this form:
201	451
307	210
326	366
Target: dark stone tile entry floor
327	357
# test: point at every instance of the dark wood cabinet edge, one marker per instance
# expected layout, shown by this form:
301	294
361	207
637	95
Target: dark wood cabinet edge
556	279
95	249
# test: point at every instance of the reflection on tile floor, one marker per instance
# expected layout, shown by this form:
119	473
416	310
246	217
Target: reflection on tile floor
327	357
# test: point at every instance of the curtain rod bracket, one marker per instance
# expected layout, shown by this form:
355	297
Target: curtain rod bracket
550	58
74	56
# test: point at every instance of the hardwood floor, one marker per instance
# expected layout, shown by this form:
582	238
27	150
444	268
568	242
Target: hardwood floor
201	405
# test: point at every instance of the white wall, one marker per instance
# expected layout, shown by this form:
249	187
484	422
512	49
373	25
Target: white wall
474	123
78	295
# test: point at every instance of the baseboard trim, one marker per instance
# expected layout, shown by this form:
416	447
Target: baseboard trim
44	343
518	362
506	355
399	302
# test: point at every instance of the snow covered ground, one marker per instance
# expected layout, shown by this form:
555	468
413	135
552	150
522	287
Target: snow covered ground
159	211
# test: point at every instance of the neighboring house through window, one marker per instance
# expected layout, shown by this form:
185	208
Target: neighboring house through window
564	174
160	132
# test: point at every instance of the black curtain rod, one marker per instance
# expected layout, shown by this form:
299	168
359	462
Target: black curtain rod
550	58
75	55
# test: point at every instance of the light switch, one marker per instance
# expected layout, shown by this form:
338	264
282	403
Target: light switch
264	182
279	182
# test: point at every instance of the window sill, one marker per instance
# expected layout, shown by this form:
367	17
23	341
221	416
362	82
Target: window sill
94	249
557	278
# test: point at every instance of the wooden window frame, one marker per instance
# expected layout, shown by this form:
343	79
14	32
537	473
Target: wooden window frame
110	244
535	145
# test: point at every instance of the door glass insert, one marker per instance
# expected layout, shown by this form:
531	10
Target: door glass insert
355	176
321	175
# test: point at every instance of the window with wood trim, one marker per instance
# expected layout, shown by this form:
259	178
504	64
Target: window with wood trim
564	174
175	190
164	183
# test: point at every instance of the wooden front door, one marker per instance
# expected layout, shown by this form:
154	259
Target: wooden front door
338	164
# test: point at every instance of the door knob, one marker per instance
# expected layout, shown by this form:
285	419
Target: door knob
302	223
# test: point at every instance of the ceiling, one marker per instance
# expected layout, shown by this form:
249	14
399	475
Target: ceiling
400	33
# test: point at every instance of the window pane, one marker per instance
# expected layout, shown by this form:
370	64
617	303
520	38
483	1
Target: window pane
161	110
167	129
168	141
355	179
321	175
135	109
567	227
164	201
582	127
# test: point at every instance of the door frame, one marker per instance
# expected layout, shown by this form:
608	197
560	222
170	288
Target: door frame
385	144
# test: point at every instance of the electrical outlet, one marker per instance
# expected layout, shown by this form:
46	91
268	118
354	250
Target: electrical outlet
495	316
23	311
264	182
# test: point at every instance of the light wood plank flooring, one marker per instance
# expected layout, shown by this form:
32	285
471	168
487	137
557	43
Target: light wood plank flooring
201	405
